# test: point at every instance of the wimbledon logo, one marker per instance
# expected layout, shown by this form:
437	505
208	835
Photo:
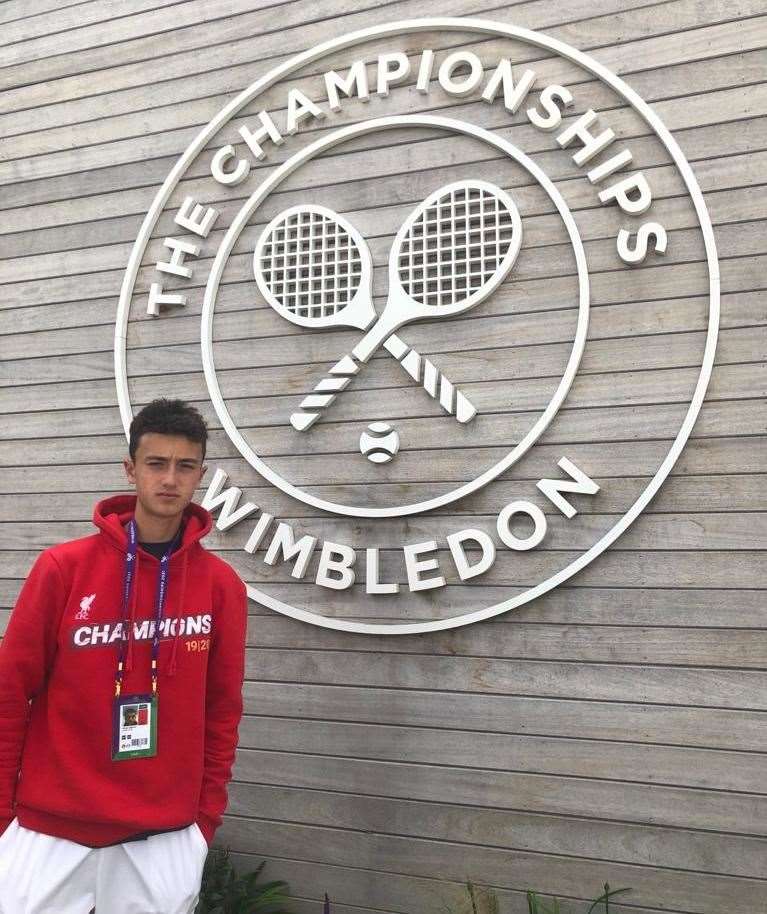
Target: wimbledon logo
434	267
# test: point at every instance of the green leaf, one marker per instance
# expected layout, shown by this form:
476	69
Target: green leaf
606	896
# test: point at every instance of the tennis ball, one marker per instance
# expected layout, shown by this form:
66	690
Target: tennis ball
379	442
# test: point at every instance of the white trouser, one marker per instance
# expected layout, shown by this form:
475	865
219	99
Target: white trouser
40	874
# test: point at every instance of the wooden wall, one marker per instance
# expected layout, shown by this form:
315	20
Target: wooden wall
613	730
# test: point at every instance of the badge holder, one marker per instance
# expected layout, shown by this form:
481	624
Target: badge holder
134	727
134	717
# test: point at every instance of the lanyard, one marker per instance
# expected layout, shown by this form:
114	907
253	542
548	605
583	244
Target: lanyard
162	587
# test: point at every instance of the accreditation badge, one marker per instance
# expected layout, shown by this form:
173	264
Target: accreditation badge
134	727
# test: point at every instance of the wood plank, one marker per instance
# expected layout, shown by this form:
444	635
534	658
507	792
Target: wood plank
700	456
173	141
633	667
692	607
89	124
224	34
620	722
736	240
609	350
615	568
726	383
613	679
608	662
696	110
277	444
702	532
381	223
679	495
14	10
730	203
101	193
71	110
614	761
619	27
91	13
568	605
623	389
697	893
740	306
573	426
514	828
522	301
77	37
349	887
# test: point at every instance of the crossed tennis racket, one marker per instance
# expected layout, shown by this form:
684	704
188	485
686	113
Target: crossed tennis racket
314	268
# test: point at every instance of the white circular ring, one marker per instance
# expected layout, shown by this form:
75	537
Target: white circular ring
241	220
486	27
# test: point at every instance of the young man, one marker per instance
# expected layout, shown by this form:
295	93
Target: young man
130	646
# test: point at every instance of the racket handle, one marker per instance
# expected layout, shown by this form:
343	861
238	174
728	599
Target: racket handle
323	393
420	369
436	385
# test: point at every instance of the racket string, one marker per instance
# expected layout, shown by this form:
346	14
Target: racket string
311	265
455	246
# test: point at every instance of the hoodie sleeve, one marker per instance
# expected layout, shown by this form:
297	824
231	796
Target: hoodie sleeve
223	704
27	652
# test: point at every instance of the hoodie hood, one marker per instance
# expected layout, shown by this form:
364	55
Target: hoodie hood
111	515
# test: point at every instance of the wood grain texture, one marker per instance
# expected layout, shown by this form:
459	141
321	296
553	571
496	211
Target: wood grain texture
613	729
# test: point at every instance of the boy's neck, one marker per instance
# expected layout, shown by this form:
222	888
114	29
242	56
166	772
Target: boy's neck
152	529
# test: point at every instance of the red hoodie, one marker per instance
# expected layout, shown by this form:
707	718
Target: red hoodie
60	649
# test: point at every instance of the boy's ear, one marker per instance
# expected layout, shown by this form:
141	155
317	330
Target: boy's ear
129	469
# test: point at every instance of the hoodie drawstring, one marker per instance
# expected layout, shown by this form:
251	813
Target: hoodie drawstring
131	623
179	607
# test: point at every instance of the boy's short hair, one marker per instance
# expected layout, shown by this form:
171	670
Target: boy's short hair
168	417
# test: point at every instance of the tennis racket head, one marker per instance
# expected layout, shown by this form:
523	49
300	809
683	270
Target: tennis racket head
455	248
314	268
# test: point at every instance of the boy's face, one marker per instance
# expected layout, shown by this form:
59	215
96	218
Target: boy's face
166	471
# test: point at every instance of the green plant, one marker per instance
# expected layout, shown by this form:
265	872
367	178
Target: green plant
478	901
484	901
605	897
486	897
536	905
223	891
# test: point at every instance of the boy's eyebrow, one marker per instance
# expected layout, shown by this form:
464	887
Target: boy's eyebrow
181	459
